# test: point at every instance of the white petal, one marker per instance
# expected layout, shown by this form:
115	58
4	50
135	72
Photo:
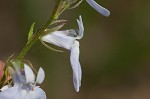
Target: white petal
98	8
60	39
81	28
40	76
15	93
77	73
10	93
71	33
23	93
30	77
19	77
36	93
39	93
4	87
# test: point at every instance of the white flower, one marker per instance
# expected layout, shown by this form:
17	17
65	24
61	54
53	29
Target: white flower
24	85
68	40
98	7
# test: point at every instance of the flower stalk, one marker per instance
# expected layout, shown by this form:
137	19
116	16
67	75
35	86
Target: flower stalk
54	16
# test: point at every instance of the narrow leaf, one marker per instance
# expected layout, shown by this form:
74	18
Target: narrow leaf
47	46
48	31
76	5
58	21
31	31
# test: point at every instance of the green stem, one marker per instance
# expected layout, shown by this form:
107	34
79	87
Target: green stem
53	17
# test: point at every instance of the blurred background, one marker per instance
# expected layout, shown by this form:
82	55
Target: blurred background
115	51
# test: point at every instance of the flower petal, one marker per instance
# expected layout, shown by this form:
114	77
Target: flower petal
81	28
4	87
16	76
60	39
19	77
40	76
30	77
71	33
74	58
98	7
37	93
15	93
10	93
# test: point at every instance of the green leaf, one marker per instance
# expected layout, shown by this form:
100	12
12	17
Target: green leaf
76	5
58	21
31	32
48	31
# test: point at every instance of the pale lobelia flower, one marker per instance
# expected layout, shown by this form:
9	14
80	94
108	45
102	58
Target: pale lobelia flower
68	39
24	84
98	7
